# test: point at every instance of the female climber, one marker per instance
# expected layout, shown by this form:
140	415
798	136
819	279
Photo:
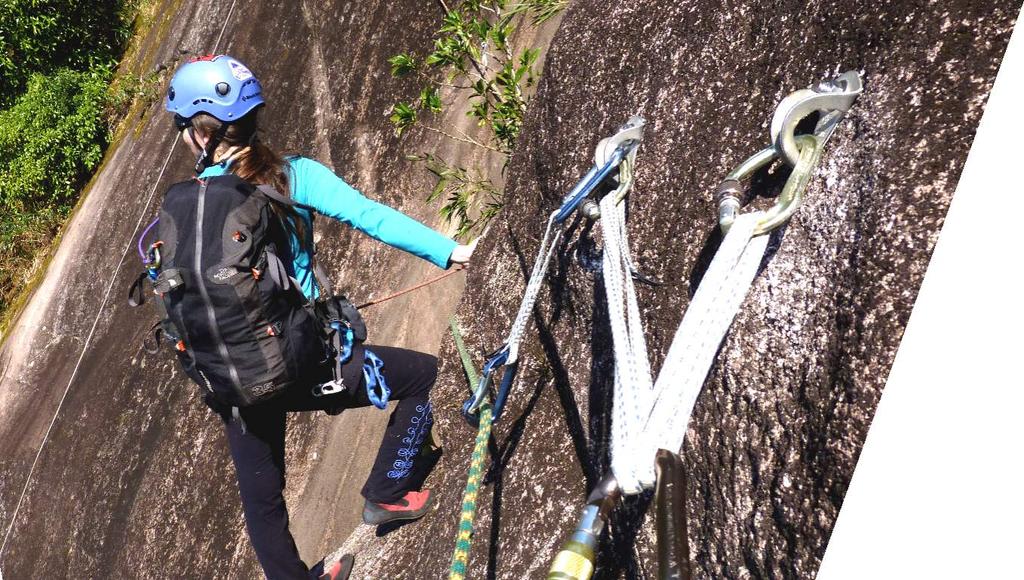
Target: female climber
215	101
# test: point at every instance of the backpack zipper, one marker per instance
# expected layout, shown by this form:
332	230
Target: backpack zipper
211	315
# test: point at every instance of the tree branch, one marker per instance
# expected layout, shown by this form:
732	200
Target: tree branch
464	138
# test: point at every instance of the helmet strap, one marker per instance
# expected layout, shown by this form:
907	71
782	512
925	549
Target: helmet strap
205	158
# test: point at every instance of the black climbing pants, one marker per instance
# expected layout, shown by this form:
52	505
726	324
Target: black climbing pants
257	448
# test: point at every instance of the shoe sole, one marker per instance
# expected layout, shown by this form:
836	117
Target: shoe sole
347	562
400	516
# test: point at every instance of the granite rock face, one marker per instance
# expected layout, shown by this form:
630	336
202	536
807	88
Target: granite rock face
776	433
135	479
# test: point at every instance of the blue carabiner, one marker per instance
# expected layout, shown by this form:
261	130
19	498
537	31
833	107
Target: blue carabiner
153	261
503	389
346	343
471	408
591	180
375	380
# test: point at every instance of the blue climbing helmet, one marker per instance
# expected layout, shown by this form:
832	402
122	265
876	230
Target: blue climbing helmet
218	85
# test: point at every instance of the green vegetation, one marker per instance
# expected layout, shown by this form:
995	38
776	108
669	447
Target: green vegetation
41	36
473	56
57	108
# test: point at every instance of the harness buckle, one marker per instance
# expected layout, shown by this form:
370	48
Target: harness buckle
331	387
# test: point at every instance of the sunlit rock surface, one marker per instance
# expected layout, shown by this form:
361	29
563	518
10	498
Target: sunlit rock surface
776	433
135	479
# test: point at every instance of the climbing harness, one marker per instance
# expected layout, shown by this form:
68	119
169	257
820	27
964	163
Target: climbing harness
341	339
651	415
610	153
464	535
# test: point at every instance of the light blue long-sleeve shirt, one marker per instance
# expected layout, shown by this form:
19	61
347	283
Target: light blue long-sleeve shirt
315	185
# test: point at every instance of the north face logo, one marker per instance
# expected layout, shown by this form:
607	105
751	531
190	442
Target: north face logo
264	389
224	274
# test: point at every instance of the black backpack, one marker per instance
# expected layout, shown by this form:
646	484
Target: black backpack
241	327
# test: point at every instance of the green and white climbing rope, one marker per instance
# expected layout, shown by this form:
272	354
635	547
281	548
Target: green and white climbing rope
477	465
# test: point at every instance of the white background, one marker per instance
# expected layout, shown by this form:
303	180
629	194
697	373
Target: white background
938	489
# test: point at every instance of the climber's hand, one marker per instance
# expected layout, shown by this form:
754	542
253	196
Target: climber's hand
462	253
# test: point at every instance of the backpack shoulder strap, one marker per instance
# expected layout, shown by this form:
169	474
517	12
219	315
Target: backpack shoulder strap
275	195
319	274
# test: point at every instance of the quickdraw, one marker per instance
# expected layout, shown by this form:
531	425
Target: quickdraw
654	417
610	153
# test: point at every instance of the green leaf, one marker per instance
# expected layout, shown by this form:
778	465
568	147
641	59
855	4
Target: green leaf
529	57
402	116
452	22
429	100
402	64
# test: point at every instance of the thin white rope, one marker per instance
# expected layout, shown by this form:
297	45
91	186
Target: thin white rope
552	234
95	323
648	419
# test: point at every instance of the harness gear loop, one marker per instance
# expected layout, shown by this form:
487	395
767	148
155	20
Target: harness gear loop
832	98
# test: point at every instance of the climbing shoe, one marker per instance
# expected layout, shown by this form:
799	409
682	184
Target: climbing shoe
413	505
341	569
